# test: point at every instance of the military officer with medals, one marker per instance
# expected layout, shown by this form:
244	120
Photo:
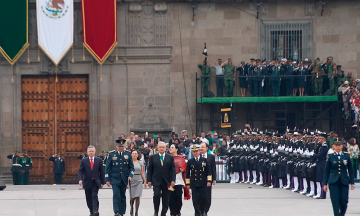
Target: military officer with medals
320	153
26	167
16	167
119	171
198	178
256	80
59	167
339	173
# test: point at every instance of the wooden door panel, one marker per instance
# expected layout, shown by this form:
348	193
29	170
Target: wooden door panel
44	135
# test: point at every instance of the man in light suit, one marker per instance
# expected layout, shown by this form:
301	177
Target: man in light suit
92	177
161	173
204	149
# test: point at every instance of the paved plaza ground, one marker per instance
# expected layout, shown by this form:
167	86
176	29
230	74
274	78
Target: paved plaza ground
228	199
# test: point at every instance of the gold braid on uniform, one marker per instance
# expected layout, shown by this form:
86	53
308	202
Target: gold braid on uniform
187	181
209	178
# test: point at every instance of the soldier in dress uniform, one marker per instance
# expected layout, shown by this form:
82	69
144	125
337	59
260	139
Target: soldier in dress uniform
276	71
330	68
26	167
119	171
288	77
249	68
198	178
339	173
256	80
82	155
242	78
16	167
320	153
59	167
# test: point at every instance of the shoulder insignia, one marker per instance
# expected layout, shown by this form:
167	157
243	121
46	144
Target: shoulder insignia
324	144
330	153
112	151
21	156
346	152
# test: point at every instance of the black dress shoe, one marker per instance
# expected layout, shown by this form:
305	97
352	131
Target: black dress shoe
116	214
96	214
265	185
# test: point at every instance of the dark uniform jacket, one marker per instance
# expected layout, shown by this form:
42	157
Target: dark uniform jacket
119	169
198	173
59	164
339	168
26	164
156	172
16	167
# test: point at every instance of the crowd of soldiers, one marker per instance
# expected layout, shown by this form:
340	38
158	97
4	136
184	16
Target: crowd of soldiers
284	76
294	161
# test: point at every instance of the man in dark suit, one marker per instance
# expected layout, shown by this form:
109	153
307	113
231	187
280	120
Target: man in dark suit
59	167
339	174
92	177
204	148
161	173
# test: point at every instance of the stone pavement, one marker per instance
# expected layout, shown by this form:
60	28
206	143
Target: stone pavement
228	199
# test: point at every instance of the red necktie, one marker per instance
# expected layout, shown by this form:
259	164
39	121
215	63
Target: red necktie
203	155
91	164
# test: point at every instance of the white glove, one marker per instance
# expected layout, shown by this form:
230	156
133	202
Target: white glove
271	151
311	153
276	152
286	149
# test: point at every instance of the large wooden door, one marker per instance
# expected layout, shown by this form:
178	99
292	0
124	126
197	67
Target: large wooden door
55	117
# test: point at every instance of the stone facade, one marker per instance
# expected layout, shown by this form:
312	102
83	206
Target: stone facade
152	58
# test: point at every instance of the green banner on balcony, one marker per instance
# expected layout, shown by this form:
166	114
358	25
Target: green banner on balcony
13	29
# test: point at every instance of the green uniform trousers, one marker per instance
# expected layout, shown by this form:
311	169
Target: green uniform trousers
16	178
205	83
229	86
318	86
276	88
339	195
25	178
332	85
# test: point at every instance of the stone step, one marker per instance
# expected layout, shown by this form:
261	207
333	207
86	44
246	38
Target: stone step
7	177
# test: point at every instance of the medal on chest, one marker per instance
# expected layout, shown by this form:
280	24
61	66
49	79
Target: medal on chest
345	162
126	157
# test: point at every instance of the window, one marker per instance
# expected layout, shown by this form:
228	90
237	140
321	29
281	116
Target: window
286	40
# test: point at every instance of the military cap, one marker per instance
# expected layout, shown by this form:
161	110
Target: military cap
120	142
252	59
275	59
103	152
25	152
337	141
289	59
229	59
338	66
318	64
107	151
17	151
331	132
306	60
330	57
219	60
258	60
195	147
242	62
215	134
263	61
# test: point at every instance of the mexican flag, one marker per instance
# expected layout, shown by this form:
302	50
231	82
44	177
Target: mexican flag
13	29
55	25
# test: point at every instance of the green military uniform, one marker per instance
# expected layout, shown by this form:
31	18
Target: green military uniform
205	77
313	76
26	167
339	77
330	140
349	79
229	78
339	173
16	168
119	167
318	83
276	71
331	76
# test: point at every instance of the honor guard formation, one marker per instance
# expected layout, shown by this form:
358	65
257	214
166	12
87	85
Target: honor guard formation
293	161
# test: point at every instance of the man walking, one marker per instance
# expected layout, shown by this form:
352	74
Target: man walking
119	171
204	148
161	174
198	177
91	176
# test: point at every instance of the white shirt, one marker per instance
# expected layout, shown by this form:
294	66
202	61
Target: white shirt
120	153
204	155
91	158
197	158
204	140
179	180
338	154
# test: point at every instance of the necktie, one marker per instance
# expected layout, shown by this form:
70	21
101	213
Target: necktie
162	159
197	159
91	164
203	155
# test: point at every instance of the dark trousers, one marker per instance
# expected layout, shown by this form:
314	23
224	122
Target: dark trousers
58	178
219	85
257	88
16	178
175	202
289	87
26	178
163	192
199	197
92	200
119	198
339	195
208	199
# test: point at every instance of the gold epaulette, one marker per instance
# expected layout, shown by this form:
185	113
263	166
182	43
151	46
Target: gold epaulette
112	151
324	144
209	178
187	181
346	152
